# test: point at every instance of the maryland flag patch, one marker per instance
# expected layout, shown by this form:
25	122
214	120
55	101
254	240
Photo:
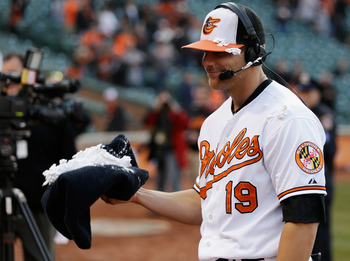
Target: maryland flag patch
309	157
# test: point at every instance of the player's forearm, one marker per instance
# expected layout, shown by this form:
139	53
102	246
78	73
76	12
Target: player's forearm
183	206
297	241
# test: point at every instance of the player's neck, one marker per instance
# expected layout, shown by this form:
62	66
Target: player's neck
246	87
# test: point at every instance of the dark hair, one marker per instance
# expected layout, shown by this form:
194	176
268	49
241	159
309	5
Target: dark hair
11	55
242	36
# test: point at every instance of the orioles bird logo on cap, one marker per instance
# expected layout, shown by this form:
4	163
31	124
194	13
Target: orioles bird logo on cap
210	25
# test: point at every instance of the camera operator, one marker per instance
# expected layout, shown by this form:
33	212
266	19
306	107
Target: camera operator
13	62
49	142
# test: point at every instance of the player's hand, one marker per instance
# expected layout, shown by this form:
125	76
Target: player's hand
112	201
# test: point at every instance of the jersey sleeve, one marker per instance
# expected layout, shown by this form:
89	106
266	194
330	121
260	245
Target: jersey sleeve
293	155
306	208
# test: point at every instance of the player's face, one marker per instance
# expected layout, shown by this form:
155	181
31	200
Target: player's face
216	63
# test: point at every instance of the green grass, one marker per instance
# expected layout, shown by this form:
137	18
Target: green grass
341	222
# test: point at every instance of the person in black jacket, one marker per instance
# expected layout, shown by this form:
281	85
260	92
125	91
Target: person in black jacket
49	142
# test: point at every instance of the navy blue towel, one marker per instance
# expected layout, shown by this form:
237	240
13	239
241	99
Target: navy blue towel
68	199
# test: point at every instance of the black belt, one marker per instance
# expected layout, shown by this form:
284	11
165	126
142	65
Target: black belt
224	259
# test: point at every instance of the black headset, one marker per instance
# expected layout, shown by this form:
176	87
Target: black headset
254	49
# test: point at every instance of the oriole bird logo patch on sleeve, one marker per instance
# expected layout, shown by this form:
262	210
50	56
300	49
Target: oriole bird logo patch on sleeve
309	157
210	25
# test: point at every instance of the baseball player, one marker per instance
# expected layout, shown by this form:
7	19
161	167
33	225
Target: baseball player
260	190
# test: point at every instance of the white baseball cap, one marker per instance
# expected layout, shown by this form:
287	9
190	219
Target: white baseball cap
222	31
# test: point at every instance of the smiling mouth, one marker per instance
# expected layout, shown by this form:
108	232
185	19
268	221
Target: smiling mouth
213	73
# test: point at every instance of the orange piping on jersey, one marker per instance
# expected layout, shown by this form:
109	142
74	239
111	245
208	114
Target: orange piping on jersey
240	147
197	185
301	189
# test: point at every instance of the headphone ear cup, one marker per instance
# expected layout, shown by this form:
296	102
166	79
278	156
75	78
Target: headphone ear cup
251	55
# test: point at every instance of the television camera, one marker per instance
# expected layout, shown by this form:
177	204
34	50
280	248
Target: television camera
37	101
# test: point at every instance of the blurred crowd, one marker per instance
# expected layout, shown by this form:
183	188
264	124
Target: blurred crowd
128	44
326	17
297	76
136	43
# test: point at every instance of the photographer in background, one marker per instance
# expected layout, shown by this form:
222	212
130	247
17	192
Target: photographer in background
167	122
49	142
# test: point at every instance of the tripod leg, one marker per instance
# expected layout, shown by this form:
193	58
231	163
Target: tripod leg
7	235
25	210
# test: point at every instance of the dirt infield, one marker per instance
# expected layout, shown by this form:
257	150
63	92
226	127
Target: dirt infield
177	242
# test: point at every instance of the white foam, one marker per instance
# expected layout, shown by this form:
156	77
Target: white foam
93	156
234	51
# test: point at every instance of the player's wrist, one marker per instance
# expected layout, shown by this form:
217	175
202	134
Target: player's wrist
136	197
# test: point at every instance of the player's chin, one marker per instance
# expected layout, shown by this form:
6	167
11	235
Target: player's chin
215	82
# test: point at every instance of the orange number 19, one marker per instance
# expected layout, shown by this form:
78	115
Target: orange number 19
245	192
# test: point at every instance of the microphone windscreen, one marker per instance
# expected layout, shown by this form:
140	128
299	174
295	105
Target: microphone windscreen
226	75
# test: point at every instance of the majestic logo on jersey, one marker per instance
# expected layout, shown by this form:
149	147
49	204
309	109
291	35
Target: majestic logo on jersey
244	149
309	157
210	25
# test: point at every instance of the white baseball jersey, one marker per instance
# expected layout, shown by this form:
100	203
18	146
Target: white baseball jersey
250	161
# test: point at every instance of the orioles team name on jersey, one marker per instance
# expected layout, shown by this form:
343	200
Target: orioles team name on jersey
246	150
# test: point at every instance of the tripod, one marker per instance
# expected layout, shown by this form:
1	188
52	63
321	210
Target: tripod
13	200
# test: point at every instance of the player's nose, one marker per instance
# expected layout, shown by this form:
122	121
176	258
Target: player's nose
208	60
